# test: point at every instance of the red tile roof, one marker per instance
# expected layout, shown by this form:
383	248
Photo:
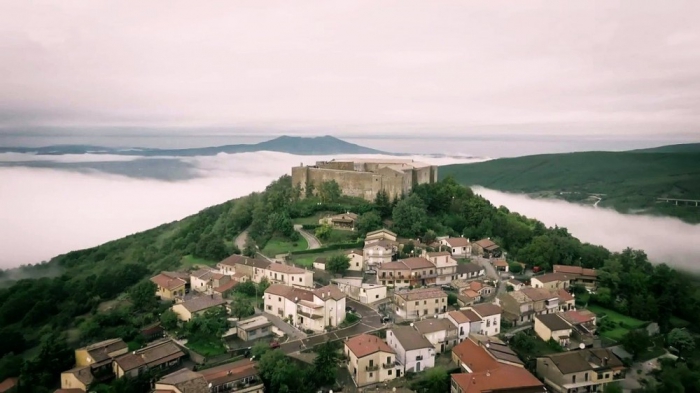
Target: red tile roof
8	384
225	287
288	269
551	277
290	293
486	309
474	356
366	344
564	295
423	293
166	281
458	316
502	378
457	241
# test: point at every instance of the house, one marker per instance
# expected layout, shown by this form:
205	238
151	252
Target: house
515	284
93	363
320	263
415	272
445	265
504	379
364	293
170	285
159	355
486	248
240	377
458	246
467	297
357	260
587	370
473	356
254	328
441	332
550	281
543	301
414	353
552	326
474	292
205	280
370	360
247	265
306	309
79	378
152	331
490	315
466	321
8	384
567	301
501	265
278	273
340	221
224	289
583	324
380	234
197	306
182	381
517	308
469	271
378	252
420	303
579	275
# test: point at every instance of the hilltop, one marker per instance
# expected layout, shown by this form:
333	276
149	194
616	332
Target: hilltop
321	145
630	181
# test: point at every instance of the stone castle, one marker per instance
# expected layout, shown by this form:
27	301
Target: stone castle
364	178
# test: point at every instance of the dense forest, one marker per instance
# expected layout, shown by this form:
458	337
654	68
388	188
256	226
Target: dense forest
42	319
630	181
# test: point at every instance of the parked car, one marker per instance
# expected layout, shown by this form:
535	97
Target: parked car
447	287
274	344
349	309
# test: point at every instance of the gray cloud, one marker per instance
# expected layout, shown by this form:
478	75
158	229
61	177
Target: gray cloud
663	239
362	67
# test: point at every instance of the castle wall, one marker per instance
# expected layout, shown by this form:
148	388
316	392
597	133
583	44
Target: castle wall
358	184
339	165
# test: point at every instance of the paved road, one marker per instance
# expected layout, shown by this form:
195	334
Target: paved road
597	202
492	274
313	242
370	321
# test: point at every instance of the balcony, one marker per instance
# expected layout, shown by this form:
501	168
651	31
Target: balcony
419	358
389	365
372	368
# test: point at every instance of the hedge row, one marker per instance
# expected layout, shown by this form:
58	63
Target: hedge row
310	227
331	247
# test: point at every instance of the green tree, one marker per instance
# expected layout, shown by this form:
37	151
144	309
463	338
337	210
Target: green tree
241	308
338	263
451	299
434	380
281	375
169	320
247	288
636	342
429	237
323	232
250	248
326	363
263	285
10	366
143	295
329	191
259	349
681	340
383	204
368	222
410	216
613	388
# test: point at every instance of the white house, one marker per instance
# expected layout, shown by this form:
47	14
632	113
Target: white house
357	260
445	265
469	271
364	293
490	315
306	309
441	332
205	280
458	246
380	234
466	321
378	252
278	273
413	351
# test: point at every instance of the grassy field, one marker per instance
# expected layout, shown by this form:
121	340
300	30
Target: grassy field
189	261
280	246
341	236
308	259
631	181
310	220
619	331
207	348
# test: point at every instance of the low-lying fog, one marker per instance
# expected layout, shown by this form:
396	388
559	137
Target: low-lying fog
663	239
45	212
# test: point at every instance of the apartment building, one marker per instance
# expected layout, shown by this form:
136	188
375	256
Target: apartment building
587	370
409	272
550	281
445	265
420	303
370	360
414	352
378	252
306	309
459	247
440	332
490	315
278	273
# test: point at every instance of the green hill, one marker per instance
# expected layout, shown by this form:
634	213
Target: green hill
630	181
683	148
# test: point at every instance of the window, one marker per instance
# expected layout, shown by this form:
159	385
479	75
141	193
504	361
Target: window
573	379
279	299
425	302
389	372
376	296
370	375
371	362
416	303
405	281
388	360
269	307
437	300
585	377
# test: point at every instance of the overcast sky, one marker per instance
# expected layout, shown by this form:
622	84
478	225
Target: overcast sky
604	67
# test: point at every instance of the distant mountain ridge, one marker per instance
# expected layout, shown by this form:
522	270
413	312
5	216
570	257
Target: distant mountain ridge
321	145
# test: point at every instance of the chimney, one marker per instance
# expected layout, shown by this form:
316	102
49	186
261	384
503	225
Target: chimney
473	380
488	373
605	361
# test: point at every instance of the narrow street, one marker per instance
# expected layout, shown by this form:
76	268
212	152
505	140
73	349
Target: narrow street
313	242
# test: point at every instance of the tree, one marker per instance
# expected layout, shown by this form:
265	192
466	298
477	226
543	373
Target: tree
368	222
636	342
681	340
329	191
247	288
249	249
169	320
323	232
410	216
613	388
434	380
408	248
429	237
281	375
143	295
263	285
338	264
383	204
451	299
11	341
259	349
241	308
326	363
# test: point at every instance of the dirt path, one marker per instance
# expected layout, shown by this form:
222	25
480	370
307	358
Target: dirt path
241	239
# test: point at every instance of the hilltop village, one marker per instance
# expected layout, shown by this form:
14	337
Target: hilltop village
351	295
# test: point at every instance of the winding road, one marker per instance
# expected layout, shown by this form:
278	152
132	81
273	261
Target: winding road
312	241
